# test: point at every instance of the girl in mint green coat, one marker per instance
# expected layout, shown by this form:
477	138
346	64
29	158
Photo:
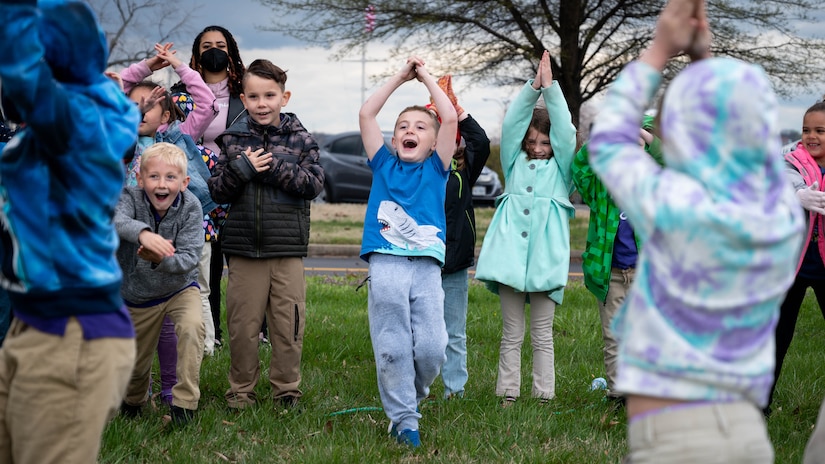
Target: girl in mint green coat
525	256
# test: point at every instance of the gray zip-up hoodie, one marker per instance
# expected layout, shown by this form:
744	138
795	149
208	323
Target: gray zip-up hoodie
144	281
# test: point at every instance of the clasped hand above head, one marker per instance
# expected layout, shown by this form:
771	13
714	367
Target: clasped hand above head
165	57
544	73
414	69
682	27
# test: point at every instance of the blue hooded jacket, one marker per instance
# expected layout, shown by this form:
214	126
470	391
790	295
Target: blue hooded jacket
61	174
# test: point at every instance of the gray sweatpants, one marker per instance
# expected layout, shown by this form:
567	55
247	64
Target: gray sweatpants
406	316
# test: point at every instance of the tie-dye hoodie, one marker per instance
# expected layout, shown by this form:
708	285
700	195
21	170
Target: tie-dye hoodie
721	226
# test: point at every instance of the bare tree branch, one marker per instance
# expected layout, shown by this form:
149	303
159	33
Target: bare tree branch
132	28
500	41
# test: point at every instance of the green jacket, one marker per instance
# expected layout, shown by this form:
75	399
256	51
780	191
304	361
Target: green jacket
597	257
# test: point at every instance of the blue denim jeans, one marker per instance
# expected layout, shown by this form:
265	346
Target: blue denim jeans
454	372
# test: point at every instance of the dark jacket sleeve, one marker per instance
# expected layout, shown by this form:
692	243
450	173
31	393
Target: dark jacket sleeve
232	173
303	177
477	149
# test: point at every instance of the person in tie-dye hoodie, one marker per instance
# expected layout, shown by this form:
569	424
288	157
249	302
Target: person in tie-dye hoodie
721	229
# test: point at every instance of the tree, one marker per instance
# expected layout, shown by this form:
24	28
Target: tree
590	41
133	27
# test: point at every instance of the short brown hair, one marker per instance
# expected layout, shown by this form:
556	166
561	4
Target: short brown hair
265	69
423	109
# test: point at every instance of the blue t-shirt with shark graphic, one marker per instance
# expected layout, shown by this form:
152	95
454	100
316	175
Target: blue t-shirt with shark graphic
405	211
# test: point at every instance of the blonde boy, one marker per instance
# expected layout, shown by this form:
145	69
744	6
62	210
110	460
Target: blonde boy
160	225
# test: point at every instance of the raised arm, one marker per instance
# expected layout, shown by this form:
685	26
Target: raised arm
367	117
199	119
141	70
631	176
477	145
445	144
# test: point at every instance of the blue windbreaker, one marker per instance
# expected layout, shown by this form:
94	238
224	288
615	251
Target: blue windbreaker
62	173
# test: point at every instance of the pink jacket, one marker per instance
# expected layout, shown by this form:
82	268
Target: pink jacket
802	161
204	112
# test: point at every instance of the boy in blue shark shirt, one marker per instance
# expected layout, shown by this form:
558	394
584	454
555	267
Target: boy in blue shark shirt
404	243
66	359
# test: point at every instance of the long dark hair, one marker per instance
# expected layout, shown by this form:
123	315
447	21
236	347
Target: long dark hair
236	67
540	122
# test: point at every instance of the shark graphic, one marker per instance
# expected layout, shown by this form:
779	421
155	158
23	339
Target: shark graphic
402	231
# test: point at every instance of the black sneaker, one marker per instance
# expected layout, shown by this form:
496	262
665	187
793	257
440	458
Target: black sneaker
181	416
129	411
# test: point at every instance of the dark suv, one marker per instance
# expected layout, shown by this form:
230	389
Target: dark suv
348	178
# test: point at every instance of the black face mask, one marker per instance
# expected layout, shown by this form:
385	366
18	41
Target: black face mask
214	60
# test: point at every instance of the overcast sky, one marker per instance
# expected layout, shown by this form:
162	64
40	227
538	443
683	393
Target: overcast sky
326	94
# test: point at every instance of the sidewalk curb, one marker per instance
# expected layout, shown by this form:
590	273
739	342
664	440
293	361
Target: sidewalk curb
353	251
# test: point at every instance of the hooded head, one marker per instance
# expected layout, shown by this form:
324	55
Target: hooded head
719	126
75	45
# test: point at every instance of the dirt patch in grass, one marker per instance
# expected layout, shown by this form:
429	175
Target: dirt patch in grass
338	211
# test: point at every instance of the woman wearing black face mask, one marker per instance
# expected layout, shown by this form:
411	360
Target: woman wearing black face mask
216	57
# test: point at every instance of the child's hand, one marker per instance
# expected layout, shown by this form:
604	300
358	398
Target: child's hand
421	71
156	62
677	26
115	77
166	54
147	103
812	199
155	246
700	47
259	159
645	137
545	70
544	73
151	256
407	72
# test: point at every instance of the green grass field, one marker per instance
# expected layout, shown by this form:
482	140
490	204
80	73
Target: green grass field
340	420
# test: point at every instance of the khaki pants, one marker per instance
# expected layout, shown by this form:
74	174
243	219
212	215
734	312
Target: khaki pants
275	287
709	433
542	311
620	282
204	269
184	309
58	393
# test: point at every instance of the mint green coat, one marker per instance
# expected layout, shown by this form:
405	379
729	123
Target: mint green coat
527	245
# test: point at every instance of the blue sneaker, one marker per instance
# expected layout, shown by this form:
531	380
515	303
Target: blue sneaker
409	437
